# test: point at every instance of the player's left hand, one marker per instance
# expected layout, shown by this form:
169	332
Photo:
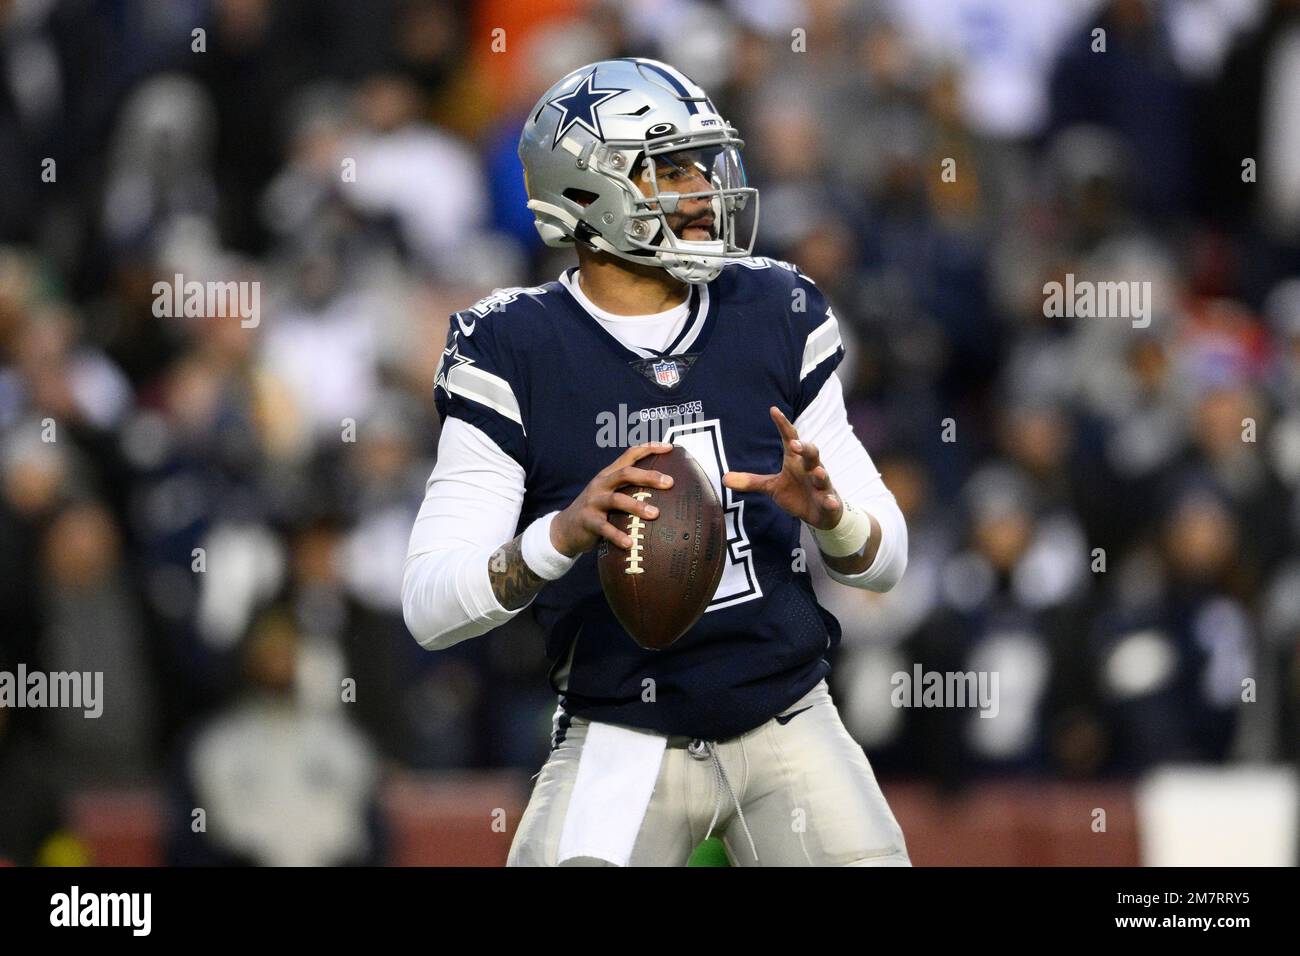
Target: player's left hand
802	487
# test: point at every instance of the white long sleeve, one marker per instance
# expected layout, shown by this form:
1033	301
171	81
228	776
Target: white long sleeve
471	506
825	423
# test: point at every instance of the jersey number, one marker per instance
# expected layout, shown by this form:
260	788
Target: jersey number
739	582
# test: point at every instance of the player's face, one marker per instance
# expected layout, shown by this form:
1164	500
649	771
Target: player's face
686	171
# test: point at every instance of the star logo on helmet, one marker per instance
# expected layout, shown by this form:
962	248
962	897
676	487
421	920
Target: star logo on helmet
579	108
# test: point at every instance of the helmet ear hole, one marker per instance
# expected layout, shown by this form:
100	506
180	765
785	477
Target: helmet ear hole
583	197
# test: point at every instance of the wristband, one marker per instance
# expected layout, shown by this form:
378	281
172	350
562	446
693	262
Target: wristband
847	537
542	557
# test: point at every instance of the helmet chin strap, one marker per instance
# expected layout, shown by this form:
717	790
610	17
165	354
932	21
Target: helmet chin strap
690	270
693	260
698	266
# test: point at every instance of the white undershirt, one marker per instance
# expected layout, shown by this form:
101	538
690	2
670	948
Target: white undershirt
654	331
475	494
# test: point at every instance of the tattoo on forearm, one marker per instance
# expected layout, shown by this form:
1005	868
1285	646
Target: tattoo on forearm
513	582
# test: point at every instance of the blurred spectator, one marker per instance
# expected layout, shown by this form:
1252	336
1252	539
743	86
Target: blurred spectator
94	625
426	180
1255	104
1172	659
281	777
1134	87
1008	605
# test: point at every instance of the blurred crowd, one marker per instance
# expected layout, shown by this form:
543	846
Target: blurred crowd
1101	511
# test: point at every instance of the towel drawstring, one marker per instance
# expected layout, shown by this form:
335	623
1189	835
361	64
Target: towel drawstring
701	749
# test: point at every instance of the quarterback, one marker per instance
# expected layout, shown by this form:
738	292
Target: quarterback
730	731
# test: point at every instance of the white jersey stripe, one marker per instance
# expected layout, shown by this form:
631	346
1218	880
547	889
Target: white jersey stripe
821	344
697	322
486	389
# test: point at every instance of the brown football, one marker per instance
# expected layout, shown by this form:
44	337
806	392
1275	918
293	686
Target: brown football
661	586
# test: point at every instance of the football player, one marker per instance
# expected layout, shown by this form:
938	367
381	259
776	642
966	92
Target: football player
666	321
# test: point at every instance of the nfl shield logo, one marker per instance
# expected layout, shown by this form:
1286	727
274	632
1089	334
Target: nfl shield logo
666	373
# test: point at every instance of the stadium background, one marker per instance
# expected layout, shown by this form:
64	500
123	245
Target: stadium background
1174	448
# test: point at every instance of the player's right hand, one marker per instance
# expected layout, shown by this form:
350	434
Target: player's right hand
580	526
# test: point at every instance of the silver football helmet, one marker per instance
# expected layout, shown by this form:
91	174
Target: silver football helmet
610	125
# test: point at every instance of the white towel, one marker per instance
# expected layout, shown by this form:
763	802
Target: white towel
617	771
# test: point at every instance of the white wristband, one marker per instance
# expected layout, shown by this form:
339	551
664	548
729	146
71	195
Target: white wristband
542	557
847	537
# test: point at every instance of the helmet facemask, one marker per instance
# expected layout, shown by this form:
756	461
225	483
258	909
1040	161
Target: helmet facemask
673	170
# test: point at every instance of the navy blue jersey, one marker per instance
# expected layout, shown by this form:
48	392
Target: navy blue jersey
564	398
